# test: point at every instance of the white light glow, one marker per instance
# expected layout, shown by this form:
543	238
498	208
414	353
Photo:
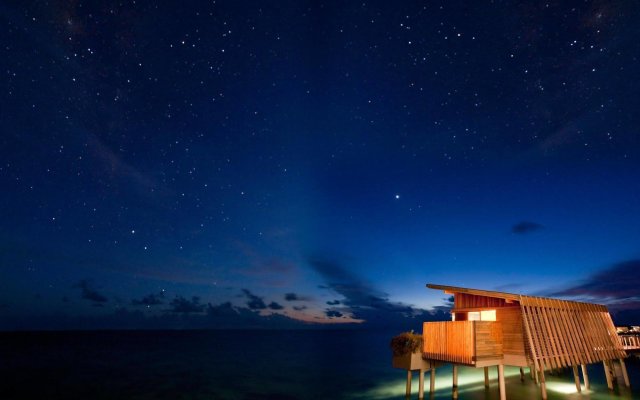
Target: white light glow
562	387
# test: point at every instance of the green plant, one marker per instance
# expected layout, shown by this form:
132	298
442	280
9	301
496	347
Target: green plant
405	343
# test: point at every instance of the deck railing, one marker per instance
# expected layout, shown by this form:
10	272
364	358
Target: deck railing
462	342
630	342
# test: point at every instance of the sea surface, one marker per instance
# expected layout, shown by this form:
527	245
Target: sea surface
249	365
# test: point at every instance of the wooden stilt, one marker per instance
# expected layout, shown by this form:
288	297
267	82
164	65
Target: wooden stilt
421	384
455	382
521	375
503	394
432	383
531	372
624	373
576	378
612	368
486	377
585	377
536	374
543	385
408	393
607	374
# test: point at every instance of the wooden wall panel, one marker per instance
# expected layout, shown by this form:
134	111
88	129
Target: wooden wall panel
464	300
512	332
488	340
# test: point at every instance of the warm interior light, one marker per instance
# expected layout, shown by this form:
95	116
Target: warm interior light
485	315
488	315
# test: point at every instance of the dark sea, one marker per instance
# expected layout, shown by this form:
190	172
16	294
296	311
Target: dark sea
251	365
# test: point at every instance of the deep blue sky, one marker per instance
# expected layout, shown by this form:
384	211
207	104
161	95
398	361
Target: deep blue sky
233	164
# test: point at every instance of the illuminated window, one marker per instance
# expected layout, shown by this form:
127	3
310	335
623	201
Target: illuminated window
485	315
488	315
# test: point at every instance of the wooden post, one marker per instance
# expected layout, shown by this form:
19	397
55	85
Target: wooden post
624	373
585	376
503	394
432	383
576	377
421	384
543	385
455	382
408	394
486	377
612	369
607	374
521	375
531	372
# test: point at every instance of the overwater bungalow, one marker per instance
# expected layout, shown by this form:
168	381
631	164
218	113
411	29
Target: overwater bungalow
496	329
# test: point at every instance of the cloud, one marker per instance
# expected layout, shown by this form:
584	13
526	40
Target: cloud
333	314
221	316
300	308
227	316
88	293
619	281
357	293
509	287
616	286
525	227
295	297
626	312
270	271
366	303
182	305
333	302
255	302
149	300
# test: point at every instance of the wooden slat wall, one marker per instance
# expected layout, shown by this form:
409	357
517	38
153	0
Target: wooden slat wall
451	341
464	300
565	333
462	342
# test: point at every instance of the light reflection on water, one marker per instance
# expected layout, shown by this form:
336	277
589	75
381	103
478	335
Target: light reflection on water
471	385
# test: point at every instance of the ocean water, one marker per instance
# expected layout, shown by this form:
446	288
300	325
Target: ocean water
250	365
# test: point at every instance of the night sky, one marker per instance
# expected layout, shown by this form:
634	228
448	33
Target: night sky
274	164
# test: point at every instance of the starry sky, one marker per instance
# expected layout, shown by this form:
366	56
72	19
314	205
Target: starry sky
229	164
